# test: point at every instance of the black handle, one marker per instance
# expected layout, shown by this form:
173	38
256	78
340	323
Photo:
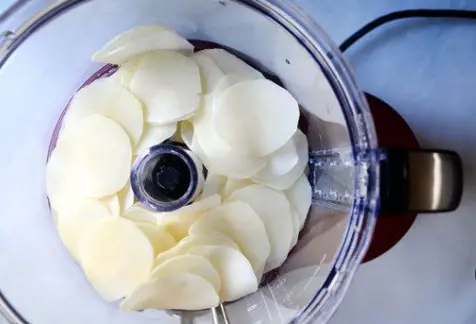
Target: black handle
424	181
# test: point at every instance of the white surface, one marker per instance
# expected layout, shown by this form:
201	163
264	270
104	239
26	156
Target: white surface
426	70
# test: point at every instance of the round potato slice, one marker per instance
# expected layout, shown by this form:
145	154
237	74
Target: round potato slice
196	240
113	204
279	162
126	197
125	72
109	99
155	135
287	180
274	210
233	185
139	213
159	238
178	222
238	221
214	184
116	257
186	133
256	117
237	276
74	221
140	40
169	85
228	81
209	71
300	198
231	64
188	263
180	291
297	227
215	153
94	154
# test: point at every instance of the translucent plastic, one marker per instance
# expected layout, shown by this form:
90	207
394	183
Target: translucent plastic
46	60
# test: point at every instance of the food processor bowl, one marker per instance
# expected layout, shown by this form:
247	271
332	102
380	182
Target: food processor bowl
45	58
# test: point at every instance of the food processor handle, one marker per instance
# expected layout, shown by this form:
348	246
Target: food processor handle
423	181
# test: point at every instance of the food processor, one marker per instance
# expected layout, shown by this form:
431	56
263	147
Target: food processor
44	60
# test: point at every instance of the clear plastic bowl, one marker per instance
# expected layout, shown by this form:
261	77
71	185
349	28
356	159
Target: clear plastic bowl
45	57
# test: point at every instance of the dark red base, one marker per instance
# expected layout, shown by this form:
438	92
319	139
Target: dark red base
392	131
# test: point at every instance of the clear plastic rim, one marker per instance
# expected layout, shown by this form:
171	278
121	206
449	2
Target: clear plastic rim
356	111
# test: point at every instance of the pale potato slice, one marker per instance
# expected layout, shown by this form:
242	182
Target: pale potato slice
189	263
74	221
139	213
116	257
196	240
274	210
240	222
300	197
125	72
233	185
287	180
169	85
209	71
140	40
126	197
215	153
181	291
113	204
155	135
214	184
178	222
279	162
160	239
94	155
228	81
186	133
237	276
256	117
231	64
297	228
109	99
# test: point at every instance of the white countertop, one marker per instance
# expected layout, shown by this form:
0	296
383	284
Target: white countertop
427	71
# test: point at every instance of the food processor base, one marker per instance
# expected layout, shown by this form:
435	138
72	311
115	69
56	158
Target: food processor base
392	131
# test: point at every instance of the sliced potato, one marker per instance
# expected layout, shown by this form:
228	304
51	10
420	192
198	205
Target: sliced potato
189	263
116	257
94	155
181	291
196	240
233	185
74	221
155	135
215	153
126	197
113	204
186	133
140	40
237	276
169	85
274	210
240	222
231	64
139	213
300	197
178	222
228	81
125	72
296	229
256	117
109	99
287	180
279	162
160	239
209	70
214	184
